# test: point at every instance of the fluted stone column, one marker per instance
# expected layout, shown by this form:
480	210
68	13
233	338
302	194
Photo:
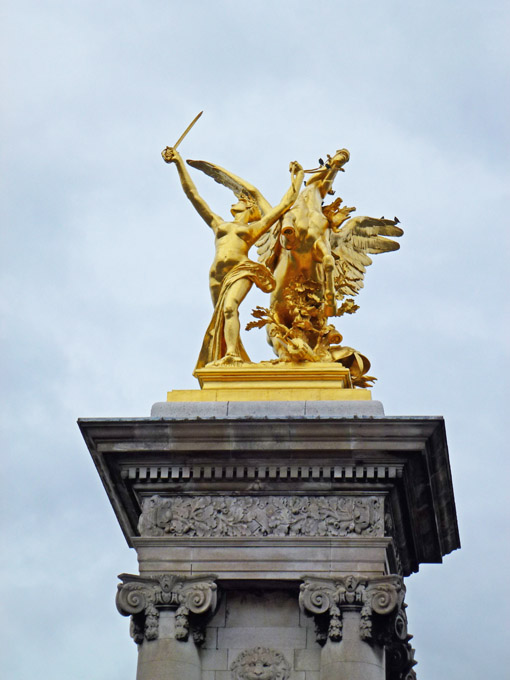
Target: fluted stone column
362	626
167	622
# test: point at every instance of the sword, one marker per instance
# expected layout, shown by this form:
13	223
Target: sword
187	130
167	153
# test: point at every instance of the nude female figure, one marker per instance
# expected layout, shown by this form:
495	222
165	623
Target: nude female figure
232	273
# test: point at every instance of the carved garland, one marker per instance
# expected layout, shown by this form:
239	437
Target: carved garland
142	598
238	516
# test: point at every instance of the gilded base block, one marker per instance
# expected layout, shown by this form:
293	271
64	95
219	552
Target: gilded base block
273	382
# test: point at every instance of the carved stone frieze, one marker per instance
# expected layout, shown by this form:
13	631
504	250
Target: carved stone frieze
238	516
260	663
143	598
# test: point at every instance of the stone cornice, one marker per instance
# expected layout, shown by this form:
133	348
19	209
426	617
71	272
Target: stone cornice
396	433
406	458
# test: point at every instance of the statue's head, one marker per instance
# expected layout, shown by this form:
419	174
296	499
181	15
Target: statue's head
246	205
340	158
333	164
260	663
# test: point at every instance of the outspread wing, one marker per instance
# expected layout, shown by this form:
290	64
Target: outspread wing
232	182
352	243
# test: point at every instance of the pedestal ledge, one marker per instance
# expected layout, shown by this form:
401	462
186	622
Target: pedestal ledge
273	382
190	410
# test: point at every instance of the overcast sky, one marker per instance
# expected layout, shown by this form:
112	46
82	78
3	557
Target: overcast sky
105	270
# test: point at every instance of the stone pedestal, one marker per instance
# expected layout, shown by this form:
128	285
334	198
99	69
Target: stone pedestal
273	537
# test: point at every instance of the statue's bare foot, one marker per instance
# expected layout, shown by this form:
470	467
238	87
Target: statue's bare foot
229	360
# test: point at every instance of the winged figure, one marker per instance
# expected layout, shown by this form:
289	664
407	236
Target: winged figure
318	255
312	259
232	273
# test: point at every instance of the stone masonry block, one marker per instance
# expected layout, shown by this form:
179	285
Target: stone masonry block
307	659
266	409
211	638
297	675
353	669
214	659
310	675
273	637
222	675
218	620
311	638
189	410
306	621
344	409
272	608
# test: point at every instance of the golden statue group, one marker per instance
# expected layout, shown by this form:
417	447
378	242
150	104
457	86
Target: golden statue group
311	258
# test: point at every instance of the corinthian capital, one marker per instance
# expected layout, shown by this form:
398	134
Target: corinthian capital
143	598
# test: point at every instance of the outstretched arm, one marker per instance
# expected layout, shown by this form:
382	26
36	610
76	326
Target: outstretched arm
171	155
287	201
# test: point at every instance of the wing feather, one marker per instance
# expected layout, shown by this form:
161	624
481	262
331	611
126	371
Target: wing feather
351	244
232	182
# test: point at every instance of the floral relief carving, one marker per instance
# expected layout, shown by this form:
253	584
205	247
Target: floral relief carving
237	516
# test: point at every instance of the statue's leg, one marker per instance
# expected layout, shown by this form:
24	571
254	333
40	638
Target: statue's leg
329	275
232	327
322	255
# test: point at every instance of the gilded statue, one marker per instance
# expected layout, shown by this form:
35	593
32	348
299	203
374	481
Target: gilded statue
318	261
312	259
232	273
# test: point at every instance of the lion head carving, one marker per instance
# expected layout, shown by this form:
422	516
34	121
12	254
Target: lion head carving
260	663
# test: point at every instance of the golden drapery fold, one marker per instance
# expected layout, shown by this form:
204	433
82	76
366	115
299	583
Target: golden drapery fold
214	346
